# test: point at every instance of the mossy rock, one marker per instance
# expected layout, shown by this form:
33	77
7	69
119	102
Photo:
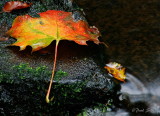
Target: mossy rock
23	84
24	77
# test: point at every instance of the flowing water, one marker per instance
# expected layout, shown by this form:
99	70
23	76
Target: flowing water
131	29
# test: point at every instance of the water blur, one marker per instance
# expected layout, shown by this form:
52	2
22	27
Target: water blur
131	29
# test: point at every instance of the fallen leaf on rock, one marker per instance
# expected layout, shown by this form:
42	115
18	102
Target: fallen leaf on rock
14	5
116	70
51	25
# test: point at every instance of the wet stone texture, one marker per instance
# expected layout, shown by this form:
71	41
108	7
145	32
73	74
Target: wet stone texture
24	77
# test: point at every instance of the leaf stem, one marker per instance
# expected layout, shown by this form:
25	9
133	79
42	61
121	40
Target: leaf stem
104	44
53	72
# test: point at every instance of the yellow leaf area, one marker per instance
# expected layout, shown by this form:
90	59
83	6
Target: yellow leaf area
116	70
51	25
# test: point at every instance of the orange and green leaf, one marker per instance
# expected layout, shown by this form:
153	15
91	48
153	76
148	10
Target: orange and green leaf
51	25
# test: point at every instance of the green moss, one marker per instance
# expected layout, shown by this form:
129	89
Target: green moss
59	74
22	72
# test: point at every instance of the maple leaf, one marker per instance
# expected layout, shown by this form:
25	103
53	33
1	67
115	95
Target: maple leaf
116	70
51	25
14	5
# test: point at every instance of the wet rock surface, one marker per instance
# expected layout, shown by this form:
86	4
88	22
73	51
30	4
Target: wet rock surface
24	77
